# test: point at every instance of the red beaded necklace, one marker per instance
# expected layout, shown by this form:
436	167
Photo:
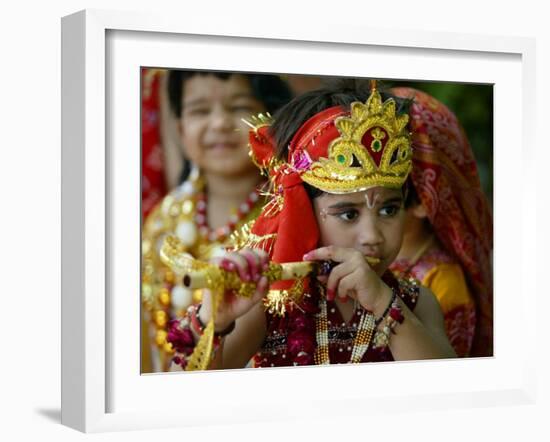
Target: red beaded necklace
221	233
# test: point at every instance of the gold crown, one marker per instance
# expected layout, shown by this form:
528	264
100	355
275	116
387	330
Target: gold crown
374	149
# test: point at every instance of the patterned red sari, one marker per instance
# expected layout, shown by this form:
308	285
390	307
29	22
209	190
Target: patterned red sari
153	185
446	180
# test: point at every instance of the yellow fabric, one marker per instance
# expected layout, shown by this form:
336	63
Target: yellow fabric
448	284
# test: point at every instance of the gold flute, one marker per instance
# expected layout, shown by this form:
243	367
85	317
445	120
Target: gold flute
198	274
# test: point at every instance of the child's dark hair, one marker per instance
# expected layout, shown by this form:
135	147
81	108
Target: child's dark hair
271	90
339	92
411	197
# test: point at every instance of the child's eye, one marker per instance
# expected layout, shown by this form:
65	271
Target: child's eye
389	211
197	111
348	215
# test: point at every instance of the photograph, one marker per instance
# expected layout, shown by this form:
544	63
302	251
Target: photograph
299	220
299	226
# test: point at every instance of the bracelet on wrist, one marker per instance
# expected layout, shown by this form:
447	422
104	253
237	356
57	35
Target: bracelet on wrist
226	330
392	316
182	335
199	326
388	307
182	340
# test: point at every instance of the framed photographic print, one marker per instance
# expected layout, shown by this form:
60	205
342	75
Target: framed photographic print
105	58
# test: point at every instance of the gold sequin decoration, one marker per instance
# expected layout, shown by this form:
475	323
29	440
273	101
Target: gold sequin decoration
244	238
337	173
277	302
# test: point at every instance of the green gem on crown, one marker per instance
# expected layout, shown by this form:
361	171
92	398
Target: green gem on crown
341	158
376	145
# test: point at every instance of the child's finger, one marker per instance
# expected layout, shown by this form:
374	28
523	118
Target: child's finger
346	287
337	273
322	278
263	257
227	265
329	253
261	289
241	265
254	265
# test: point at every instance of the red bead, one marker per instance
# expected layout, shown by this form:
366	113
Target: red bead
396	315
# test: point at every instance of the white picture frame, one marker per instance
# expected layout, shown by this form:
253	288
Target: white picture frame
101	389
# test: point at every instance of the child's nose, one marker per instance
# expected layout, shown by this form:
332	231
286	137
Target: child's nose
220	118
369	232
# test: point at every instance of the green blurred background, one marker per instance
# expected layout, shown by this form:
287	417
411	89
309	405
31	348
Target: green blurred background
473	106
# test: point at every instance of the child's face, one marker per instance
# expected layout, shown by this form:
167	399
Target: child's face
371	221
211	114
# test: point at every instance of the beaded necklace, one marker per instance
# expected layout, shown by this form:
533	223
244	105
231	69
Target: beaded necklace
221	233
361	342
365	328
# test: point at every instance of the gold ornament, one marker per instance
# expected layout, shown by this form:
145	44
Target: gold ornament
244	238
167	347
169	277
160	337
161	318
277	301
350	166
255	122
164	297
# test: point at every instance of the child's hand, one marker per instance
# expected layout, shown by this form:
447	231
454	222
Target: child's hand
353	277
249	264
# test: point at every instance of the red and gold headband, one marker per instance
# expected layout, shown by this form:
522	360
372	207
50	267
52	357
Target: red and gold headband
343	152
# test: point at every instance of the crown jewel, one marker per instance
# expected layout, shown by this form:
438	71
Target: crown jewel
373	149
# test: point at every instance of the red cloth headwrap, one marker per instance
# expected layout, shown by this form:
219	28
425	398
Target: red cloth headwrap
290	213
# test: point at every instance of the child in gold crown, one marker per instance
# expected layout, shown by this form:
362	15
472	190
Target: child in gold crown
338	160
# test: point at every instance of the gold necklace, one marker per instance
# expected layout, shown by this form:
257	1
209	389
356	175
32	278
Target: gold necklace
361	342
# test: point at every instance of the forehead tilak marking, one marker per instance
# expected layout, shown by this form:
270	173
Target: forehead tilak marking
371	202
